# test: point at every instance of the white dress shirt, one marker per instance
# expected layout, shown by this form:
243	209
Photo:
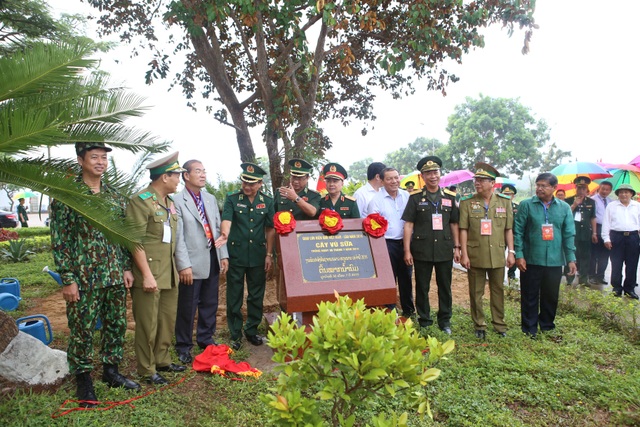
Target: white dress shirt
600	206
363	196
391	209
619	217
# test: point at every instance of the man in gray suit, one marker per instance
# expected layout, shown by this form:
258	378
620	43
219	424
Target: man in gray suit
199	263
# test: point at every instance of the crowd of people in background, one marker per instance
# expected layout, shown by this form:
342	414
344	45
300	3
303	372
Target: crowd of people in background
188	242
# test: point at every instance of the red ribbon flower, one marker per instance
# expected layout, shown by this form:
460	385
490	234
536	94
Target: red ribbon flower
284	222
375	225
330	221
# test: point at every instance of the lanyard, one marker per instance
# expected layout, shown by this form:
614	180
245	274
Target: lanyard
486	211
435	205
546	211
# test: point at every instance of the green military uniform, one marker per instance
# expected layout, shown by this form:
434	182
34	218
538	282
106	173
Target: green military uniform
432	249
84	256
247	247
346	206
486	254
585	212
23	217
154	312
310	196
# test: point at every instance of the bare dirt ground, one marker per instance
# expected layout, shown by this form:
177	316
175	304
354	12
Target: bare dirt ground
260	357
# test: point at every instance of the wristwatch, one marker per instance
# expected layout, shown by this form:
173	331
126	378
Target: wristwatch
511	251
297	199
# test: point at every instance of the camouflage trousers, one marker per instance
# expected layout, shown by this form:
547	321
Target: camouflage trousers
109	304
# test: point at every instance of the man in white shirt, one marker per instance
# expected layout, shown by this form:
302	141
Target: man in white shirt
390	202
365	193
620	234
599	254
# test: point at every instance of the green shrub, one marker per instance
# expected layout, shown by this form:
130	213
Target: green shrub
33	231
353	357
17	251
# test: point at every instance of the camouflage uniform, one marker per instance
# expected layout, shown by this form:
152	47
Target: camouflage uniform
83	255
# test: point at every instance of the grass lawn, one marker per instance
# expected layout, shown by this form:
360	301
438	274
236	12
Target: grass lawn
585	374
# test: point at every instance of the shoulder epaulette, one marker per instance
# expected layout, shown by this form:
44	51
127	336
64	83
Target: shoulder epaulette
145	195
353	199
504	196
449	192
266	195
231	193
313	191
467	197
416	191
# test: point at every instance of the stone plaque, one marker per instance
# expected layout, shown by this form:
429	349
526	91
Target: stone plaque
343	256
313	264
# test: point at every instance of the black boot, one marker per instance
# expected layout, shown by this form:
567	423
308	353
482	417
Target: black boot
84	390
113	378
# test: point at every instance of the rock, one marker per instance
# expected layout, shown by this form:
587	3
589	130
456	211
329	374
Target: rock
8	330
27	360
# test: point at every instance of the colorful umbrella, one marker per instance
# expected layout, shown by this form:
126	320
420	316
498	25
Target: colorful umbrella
622	176
635	161
416	177
502	180
570	188
24	195
456	177
569	171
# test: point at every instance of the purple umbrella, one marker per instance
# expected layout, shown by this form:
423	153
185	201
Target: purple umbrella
456	177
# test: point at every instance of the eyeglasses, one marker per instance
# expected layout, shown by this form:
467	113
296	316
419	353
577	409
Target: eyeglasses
198	171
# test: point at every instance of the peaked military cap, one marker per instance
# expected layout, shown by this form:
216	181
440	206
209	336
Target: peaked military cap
485	170
509	189
627	187
334	170
429	163
408	183
167	164
251	173
300	167
82	147
582	180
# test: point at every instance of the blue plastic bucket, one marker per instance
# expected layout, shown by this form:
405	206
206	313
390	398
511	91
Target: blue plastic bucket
10	285
9	302
37	326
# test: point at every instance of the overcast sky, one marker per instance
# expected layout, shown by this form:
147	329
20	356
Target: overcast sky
580	76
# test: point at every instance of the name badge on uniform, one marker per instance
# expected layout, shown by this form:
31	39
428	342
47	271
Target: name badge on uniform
207	231
547	231
446	202
166	234
485	227
577	216
436	221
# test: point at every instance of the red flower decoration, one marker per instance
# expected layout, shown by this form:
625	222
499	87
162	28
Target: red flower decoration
375	225
284	222
330	221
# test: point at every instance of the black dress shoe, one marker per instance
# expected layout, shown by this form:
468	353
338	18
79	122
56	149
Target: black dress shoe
480	334
502	334
446	330
185	358
236	344
616	293
204	345
113	378
602	282
255	339
632	295
171	368
156	379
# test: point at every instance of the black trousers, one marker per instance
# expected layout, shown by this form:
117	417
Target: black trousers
539	291
202	296
402	274
424	269
599	257
624	250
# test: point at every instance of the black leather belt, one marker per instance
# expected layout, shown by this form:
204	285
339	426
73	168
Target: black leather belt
626	233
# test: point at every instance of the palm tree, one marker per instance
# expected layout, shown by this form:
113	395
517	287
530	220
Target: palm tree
51	94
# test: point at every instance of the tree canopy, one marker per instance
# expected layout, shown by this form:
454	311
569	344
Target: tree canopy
287	66
405	159
499	131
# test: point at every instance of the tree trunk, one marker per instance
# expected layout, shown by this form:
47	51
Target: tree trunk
8	330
